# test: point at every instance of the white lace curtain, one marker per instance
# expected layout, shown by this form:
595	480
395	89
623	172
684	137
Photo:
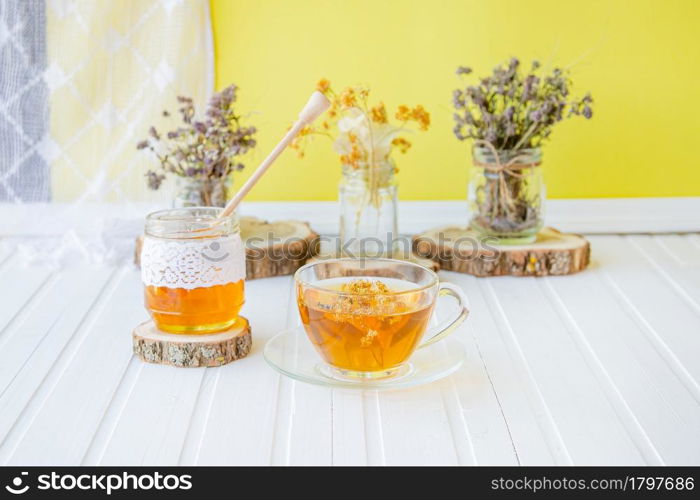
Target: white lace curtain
81	81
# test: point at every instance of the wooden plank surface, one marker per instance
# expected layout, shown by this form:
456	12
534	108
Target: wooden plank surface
595	368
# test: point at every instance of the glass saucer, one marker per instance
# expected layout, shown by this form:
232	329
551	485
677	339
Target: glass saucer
290	352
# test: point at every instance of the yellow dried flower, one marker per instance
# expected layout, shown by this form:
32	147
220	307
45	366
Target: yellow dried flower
348	98
421	116
323	85
403	113
417	114
402	144
355	156
352	99
378	113
368	338
365	286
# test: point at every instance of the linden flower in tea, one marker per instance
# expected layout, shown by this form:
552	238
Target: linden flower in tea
370	325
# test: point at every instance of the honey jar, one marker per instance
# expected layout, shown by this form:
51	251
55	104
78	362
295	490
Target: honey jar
193	270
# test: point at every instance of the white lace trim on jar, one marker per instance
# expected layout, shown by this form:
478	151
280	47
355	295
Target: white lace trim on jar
192	263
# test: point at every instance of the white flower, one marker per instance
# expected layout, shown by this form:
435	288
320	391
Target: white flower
371	137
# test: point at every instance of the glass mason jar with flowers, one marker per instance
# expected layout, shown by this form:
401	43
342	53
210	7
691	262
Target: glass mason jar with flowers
368	208
202	153
364	139
509	115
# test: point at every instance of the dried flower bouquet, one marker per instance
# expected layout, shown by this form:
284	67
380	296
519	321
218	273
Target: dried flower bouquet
203	151
365	138
509	115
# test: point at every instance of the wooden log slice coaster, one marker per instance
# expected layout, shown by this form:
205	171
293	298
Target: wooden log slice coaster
276	248
216	349
272	248
462	250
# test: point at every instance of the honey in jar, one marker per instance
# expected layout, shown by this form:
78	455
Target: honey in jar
193	270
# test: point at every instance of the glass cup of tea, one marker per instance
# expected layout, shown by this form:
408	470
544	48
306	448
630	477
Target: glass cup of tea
193	270
366	317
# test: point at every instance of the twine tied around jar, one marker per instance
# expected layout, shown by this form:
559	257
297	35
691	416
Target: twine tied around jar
511	167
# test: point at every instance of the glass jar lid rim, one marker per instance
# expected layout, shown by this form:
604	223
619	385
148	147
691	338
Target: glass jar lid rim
188	214
190	222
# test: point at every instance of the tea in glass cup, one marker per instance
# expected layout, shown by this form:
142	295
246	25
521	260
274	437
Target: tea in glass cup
193	270
366	317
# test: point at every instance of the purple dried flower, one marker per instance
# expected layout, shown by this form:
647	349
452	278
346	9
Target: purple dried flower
515	110
587	112
215	112
468	117
463	70
154	179
185	152
536	115
458	99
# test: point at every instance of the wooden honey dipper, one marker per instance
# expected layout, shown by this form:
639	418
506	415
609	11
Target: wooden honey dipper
316	105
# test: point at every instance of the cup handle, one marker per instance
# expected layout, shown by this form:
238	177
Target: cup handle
447	327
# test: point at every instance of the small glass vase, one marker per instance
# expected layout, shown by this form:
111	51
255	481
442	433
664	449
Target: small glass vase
506	194
201	192
368	210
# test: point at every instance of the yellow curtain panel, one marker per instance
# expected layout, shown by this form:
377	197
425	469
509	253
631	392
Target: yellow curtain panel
112	67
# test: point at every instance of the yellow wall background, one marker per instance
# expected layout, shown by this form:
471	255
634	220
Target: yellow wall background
640	60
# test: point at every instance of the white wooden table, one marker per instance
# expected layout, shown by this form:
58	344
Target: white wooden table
602	367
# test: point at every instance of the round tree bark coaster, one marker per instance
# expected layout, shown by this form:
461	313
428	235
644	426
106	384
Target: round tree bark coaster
216	349
272	248
464	251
